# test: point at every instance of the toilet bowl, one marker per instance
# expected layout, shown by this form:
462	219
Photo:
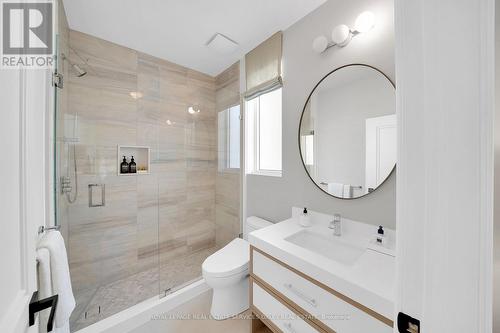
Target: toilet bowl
226	272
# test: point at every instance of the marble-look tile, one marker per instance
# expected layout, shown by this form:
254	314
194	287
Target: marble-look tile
106	132
175	272
101	104
93	160
227	225
228	190
148	80
228	88
108	77
147	222
82	298
101	53
121	294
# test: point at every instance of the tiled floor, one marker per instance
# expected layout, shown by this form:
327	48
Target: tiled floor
194	316
122	294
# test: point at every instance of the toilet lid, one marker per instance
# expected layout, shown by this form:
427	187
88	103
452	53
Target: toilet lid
231	259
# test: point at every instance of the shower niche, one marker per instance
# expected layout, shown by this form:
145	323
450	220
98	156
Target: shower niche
140	155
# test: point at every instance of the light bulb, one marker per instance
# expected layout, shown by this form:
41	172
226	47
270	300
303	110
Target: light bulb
320	44
365	22
341	35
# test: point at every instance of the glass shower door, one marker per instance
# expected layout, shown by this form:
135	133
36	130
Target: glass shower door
109	221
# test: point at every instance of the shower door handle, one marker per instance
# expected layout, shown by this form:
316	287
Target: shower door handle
37	305
93	188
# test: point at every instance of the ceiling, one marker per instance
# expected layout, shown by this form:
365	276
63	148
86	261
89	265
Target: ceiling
178	30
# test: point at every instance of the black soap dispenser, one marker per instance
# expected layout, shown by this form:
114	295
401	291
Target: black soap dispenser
132	167
380	236
124	165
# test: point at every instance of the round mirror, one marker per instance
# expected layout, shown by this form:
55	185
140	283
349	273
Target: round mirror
347	132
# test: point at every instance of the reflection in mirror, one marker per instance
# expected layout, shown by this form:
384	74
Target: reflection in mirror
347	132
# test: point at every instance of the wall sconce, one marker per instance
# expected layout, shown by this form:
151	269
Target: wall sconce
342	34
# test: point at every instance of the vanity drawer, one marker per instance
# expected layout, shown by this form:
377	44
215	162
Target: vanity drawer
278	314
329	309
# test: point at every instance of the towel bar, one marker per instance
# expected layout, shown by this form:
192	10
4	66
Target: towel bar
359	187
42	228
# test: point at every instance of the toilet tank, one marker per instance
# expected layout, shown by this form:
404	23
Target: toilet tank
254	223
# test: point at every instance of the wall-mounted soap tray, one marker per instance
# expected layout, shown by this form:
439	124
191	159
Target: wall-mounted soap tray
141	157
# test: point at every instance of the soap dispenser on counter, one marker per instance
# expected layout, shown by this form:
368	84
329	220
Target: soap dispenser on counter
304	218
380	236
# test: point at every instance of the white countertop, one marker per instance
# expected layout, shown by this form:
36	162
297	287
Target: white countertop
370	280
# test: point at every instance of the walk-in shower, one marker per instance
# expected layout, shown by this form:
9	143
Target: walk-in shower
144	233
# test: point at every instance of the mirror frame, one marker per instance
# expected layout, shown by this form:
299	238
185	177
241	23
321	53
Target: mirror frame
300	124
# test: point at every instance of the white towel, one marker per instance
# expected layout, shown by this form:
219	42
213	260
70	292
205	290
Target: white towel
336	189
347	191
60	279
44	284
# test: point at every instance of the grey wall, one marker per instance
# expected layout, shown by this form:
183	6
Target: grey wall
272	197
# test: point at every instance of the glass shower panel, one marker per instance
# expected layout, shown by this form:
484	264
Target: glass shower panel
109	221
186	154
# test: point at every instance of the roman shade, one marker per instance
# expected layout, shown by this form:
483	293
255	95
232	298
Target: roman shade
263	67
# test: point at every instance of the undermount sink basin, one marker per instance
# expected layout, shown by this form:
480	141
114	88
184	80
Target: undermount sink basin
327	245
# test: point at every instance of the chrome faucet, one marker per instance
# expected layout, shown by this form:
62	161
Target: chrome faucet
336	225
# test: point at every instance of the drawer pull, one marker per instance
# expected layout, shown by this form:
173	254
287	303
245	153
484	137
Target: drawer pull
298	293
289	328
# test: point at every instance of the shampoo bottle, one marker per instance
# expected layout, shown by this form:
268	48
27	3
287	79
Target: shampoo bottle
304	219
132	167
124	165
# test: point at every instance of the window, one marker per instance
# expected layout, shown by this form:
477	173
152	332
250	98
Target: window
264	134
229	139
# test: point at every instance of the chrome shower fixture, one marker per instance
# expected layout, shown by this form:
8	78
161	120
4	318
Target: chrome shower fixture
77	70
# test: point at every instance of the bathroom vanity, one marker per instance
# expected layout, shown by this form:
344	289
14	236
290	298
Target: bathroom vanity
308	280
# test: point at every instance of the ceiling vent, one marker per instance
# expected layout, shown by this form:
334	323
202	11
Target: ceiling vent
222	44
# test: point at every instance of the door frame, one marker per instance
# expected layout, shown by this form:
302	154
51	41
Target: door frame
33	107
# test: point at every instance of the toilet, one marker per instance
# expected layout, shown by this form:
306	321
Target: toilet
226	272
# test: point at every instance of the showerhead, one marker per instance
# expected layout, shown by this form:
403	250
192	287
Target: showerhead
79	72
